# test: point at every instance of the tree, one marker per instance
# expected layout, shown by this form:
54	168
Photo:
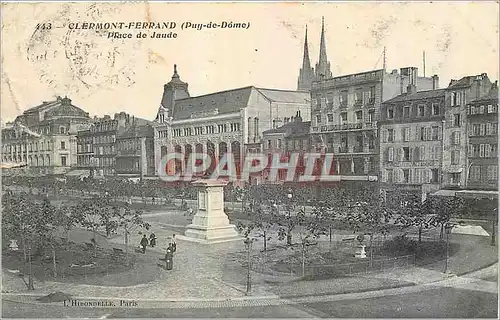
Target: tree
128	220
370	214
442	209
21	217
331	206
309	228
412	212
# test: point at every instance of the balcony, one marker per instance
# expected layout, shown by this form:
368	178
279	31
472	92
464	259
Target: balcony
358	149
371	101
348	126
358	102
344	149
343	105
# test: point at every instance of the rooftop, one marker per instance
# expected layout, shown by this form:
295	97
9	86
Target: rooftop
420	95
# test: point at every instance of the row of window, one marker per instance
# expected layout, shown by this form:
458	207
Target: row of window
221	128
483	150
478	173
483	129
104	126
104	150
104	139
81	148
420	153
411	175
482	109
129	144
358	115
404	112
37	146
361	96
37	161
422	134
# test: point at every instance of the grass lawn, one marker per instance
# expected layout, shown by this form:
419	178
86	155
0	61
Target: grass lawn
323	261
75	263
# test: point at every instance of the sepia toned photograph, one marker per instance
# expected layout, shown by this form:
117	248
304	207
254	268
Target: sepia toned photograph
249	159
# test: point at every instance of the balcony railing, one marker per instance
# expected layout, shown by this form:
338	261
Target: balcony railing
343	150
358	149
348	126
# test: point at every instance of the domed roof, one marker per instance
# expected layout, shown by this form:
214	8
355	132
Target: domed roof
66	109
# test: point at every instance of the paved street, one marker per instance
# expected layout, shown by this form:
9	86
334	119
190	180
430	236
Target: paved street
435	303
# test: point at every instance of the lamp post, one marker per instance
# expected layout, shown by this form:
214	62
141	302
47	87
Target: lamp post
447	229
289	205
248	243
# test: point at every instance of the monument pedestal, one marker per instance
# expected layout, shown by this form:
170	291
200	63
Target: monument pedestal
360	252
210	223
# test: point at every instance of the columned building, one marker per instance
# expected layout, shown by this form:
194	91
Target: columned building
44	137
220	122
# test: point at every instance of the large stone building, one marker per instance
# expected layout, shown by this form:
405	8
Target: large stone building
96	146
411	141
135	151
430	139
482	142
44	137
226	121
345	111
458	94
292	137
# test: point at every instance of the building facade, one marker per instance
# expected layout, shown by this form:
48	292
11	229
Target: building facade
482	142
96	146
227	121
344	116
44	137
411	142
135	151
290	138
459	94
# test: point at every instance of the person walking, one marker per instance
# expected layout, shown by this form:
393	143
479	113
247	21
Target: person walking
169	258
152	240
144	243
174	244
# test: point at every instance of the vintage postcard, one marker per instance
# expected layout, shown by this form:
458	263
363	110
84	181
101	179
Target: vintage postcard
249	159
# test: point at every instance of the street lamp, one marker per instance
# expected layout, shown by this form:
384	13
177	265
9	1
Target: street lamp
447	229
248	244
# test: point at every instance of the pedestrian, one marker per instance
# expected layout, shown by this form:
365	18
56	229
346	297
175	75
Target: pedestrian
144	243
152	240
174	244
169	258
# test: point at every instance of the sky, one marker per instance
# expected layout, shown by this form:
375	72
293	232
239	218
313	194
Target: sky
104	76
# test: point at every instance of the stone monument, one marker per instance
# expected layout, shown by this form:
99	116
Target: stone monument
210	224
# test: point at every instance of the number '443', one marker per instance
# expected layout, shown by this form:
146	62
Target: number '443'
44	26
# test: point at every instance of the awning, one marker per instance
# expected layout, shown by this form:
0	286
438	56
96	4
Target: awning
445	193
10	165
484	194
79	173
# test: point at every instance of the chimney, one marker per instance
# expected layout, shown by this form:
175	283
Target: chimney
435	82
411	89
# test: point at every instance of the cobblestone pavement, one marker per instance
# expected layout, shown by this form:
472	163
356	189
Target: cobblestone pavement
468	283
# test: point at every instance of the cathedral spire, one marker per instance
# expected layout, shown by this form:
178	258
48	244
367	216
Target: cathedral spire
306	73
306	62
323	66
